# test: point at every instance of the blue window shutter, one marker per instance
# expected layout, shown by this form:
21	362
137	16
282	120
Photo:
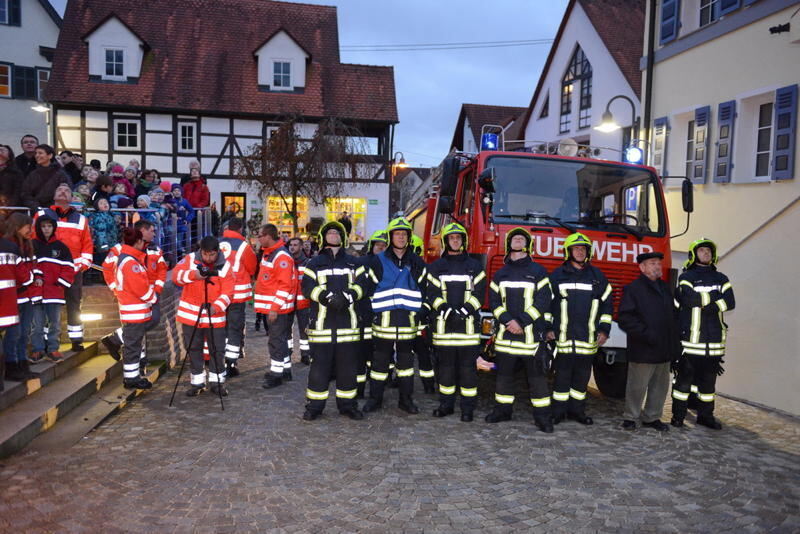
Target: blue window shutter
702	117
726	6
785	133
726	115
659	156
670	20
14	13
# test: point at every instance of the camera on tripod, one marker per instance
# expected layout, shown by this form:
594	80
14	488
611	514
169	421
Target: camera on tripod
207	272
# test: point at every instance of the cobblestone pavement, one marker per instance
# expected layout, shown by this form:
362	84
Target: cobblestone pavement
258	467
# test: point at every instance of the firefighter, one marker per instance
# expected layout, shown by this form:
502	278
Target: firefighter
456	288
239	254
274	296
14	274
330	283
519	297
396	282
135	294
422	343
73	230
302	306
703	295
208	283
375	245
581	321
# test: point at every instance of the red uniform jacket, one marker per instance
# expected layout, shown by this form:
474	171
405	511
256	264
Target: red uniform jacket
276	284
185	274
14	273
73	231
243	261
54	268
135	292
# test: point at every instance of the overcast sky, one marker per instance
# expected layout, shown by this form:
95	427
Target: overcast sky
432	85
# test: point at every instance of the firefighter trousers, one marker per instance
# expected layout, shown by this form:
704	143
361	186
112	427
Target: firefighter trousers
234	320
423	352
457	373
279	355
132	343
215	338
73	295
302	327
506	366
327	358
702	372
379	371
569	387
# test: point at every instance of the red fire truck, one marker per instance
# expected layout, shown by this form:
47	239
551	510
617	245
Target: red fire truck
619	206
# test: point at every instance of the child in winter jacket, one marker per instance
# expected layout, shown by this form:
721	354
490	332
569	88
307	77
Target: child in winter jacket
105	230
53	273
120	198
185	214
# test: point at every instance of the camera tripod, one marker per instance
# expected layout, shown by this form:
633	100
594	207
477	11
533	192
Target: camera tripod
204	308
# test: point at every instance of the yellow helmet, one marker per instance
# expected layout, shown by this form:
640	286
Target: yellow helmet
576	239
417	244
400	223
335	225
519	231
454	228
380	235
702	242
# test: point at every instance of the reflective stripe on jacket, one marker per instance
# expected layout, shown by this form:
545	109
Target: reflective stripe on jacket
702	297
240	255
276	285
455	282
135	292
193	294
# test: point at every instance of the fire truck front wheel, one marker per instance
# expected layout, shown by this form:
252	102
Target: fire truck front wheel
611	374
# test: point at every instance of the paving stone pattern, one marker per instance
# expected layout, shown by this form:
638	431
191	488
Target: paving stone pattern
257	467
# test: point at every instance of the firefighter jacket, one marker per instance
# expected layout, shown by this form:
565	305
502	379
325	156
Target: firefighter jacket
193	295
300	301
328	274
72	230
397	289
276	284
135	290
14	273
456	284
244	263
54	268
703	296
364	306
520	290
581	307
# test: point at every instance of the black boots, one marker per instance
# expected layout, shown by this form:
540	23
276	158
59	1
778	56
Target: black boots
230	369
110	343
544	426
287	375
272	381
137	383
498	415
443	410
709	422
581	418
353	413
372	405
194	391
407	405
219	389
428	386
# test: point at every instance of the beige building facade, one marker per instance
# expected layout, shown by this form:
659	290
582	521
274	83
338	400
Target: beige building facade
724	106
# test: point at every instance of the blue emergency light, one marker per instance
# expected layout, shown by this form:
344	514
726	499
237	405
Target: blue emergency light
633	154
489	141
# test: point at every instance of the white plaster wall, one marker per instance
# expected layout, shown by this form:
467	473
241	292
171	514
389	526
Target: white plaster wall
159	122
20	44
469	139
17	119
96	119
281	48
607	82
114	34
245	127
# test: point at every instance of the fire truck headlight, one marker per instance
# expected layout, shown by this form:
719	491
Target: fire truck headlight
487	325
633	154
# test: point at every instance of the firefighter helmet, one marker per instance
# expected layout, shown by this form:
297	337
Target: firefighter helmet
417	244
454	228
380	235
332	225
576	239
523	232
702	242
400	223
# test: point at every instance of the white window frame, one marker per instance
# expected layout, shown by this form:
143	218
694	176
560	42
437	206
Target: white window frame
745	136
272	74
107	76
713	7
10	68
193	126
138	124
39	73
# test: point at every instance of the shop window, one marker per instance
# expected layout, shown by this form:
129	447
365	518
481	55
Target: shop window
356	210
279	216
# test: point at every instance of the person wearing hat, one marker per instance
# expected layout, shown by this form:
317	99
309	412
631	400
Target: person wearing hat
581	312
648	316
702	296
519	297
396	282
456	290
331	283
376	244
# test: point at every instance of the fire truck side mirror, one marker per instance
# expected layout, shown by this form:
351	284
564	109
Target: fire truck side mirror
449	177
687	195
446	205
486	180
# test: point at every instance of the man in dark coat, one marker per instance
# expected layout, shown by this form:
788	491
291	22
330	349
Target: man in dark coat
647	315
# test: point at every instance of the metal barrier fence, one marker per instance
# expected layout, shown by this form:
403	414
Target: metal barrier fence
175	237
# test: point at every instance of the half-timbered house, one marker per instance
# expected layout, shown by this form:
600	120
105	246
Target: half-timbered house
170	82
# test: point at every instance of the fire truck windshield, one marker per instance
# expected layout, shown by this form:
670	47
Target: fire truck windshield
548	192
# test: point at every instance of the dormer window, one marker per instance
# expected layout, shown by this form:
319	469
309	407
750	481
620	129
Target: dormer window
281	75
115	65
